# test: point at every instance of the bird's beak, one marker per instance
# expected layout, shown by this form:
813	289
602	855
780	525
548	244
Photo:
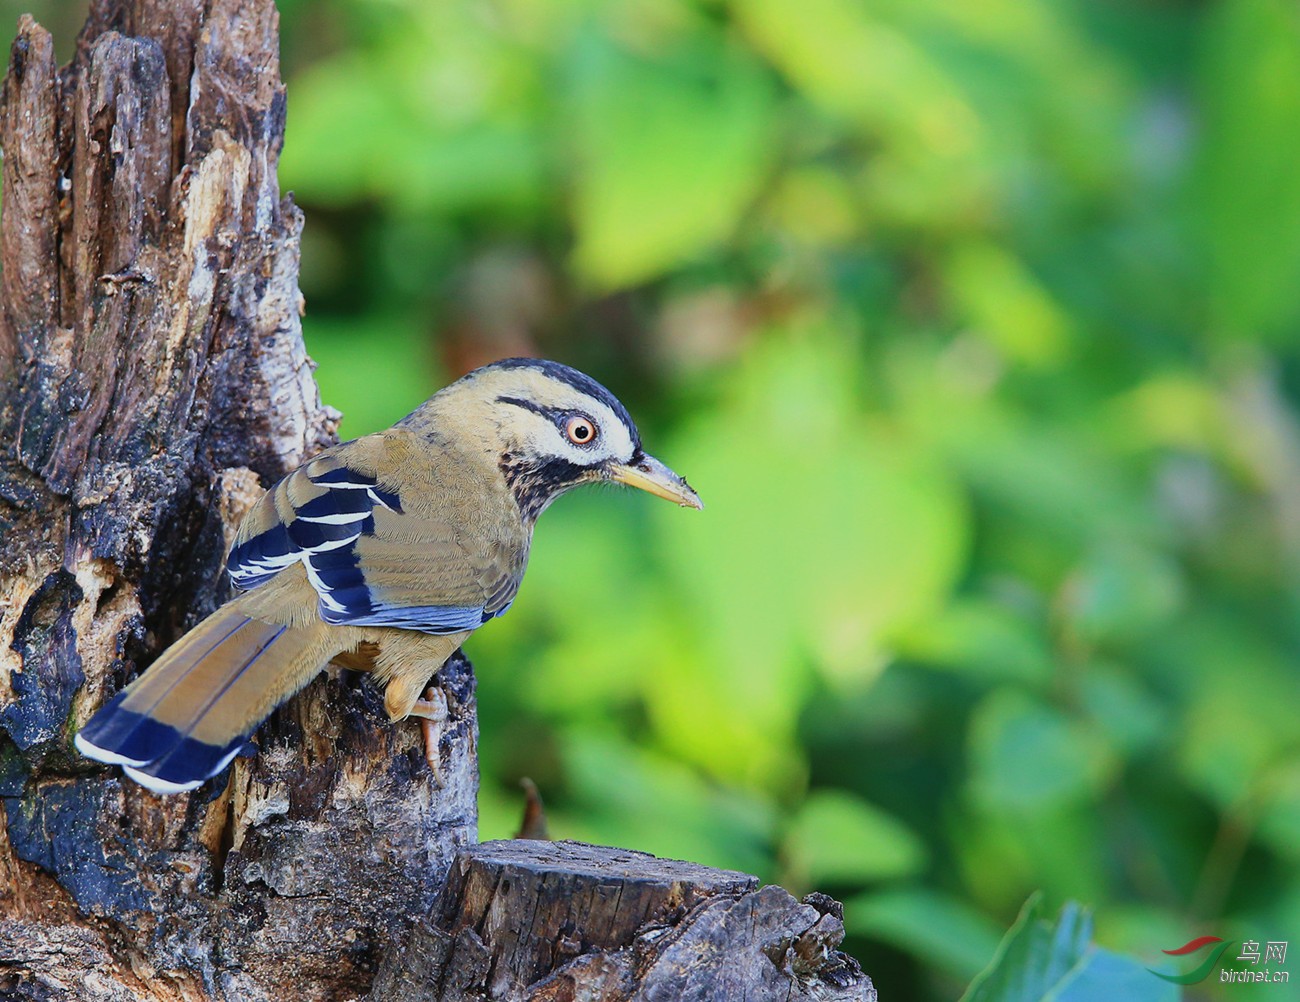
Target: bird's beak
649	474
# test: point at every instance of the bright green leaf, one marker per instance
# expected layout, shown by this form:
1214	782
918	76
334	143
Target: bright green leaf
348	379
838	838
1008	305
670	153
345	118
641	800
822	538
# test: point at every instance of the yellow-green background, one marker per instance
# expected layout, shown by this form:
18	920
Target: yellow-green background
975	324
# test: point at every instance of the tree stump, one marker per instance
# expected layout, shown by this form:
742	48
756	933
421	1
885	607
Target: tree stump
559	921
152	379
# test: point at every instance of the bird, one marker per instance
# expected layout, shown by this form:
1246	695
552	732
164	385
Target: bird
383	553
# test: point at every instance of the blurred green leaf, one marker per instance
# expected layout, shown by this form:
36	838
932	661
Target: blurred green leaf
823	537
373	392
1169	409
837	838
1120	592
936	928
861	66
430	116
670	153
1247	195
1049	489
642	800
889	83
347	122
1279	812
1028	756
987	640
1061	848
1039	961
1008	305
1132	718
584	580
1239	721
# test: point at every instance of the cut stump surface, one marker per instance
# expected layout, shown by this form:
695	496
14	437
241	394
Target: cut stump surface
559	921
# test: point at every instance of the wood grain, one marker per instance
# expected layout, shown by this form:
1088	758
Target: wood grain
152	374
561	921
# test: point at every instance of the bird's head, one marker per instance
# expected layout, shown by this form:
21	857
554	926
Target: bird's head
550	428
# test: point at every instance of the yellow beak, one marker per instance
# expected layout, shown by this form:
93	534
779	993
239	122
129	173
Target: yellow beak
649	474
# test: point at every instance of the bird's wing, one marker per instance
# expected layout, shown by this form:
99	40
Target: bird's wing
374	557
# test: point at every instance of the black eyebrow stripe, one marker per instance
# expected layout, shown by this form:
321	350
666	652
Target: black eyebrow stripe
558	416
551	413
580	381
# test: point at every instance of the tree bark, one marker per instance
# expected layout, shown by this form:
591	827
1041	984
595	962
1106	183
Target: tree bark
152	379
559	921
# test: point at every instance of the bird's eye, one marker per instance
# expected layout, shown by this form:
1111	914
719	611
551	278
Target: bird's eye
580	430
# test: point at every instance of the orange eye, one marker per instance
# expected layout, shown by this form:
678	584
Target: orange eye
580	431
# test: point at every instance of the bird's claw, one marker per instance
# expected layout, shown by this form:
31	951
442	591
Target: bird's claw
432	711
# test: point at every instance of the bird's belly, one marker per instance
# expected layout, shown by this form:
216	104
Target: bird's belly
402	660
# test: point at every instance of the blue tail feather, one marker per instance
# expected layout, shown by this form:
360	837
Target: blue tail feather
162	757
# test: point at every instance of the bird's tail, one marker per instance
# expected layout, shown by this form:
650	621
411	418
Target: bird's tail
189	715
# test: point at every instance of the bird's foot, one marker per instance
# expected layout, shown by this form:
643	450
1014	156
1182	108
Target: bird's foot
432	711
432	707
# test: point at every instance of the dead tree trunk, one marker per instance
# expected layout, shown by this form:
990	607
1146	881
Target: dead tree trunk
561	921
152	374
152	379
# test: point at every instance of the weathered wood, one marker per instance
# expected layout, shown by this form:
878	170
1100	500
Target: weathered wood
152	376
559	921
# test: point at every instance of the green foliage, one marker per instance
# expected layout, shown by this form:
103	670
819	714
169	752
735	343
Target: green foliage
668	151
941	931
975	324
1039	961
1028	757
837	838
1246	195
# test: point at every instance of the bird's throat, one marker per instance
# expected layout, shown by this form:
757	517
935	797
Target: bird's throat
535	483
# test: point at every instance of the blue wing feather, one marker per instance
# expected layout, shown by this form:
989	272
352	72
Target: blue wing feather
341	504
257	560
323	535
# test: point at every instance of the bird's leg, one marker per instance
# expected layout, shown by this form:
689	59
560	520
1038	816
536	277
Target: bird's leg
401	700
409	665
432	711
